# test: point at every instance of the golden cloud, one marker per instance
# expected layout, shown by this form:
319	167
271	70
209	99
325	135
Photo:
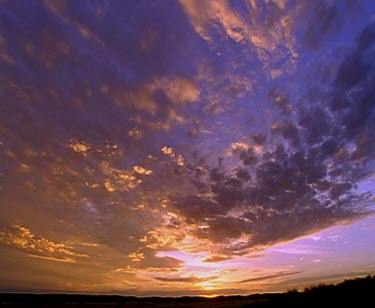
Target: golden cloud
179	90
208	15
79	146
140	170
40	247
167	151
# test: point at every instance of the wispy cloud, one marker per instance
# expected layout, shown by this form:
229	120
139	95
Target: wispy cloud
39	247
273	276
190	279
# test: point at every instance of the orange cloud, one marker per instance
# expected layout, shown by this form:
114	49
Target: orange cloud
140	170
141	99
79	146
167	150
39	247
179	90
207	16
136	256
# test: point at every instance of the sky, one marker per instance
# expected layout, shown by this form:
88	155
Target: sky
186	147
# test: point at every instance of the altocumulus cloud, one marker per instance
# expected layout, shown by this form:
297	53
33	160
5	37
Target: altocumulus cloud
304	181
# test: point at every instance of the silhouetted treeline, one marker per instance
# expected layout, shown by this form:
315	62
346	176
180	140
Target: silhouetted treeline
357	292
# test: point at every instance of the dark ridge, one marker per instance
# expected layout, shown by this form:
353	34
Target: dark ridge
357	292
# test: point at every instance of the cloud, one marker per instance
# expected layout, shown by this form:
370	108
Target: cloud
356	74
329	278
280	99
180	160
120	179
136	256
64	260
140	170
266	35
325	19
215	259
259	138
38	246
64	13
203	13
79	147
179	90
307	179
274	276
167	151
141	99
190	279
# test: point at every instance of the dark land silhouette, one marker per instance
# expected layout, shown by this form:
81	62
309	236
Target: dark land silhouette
357	292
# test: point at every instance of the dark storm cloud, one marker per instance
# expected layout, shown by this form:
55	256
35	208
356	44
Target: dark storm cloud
307	180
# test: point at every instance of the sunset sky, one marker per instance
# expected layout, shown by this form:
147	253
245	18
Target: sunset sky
188	147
